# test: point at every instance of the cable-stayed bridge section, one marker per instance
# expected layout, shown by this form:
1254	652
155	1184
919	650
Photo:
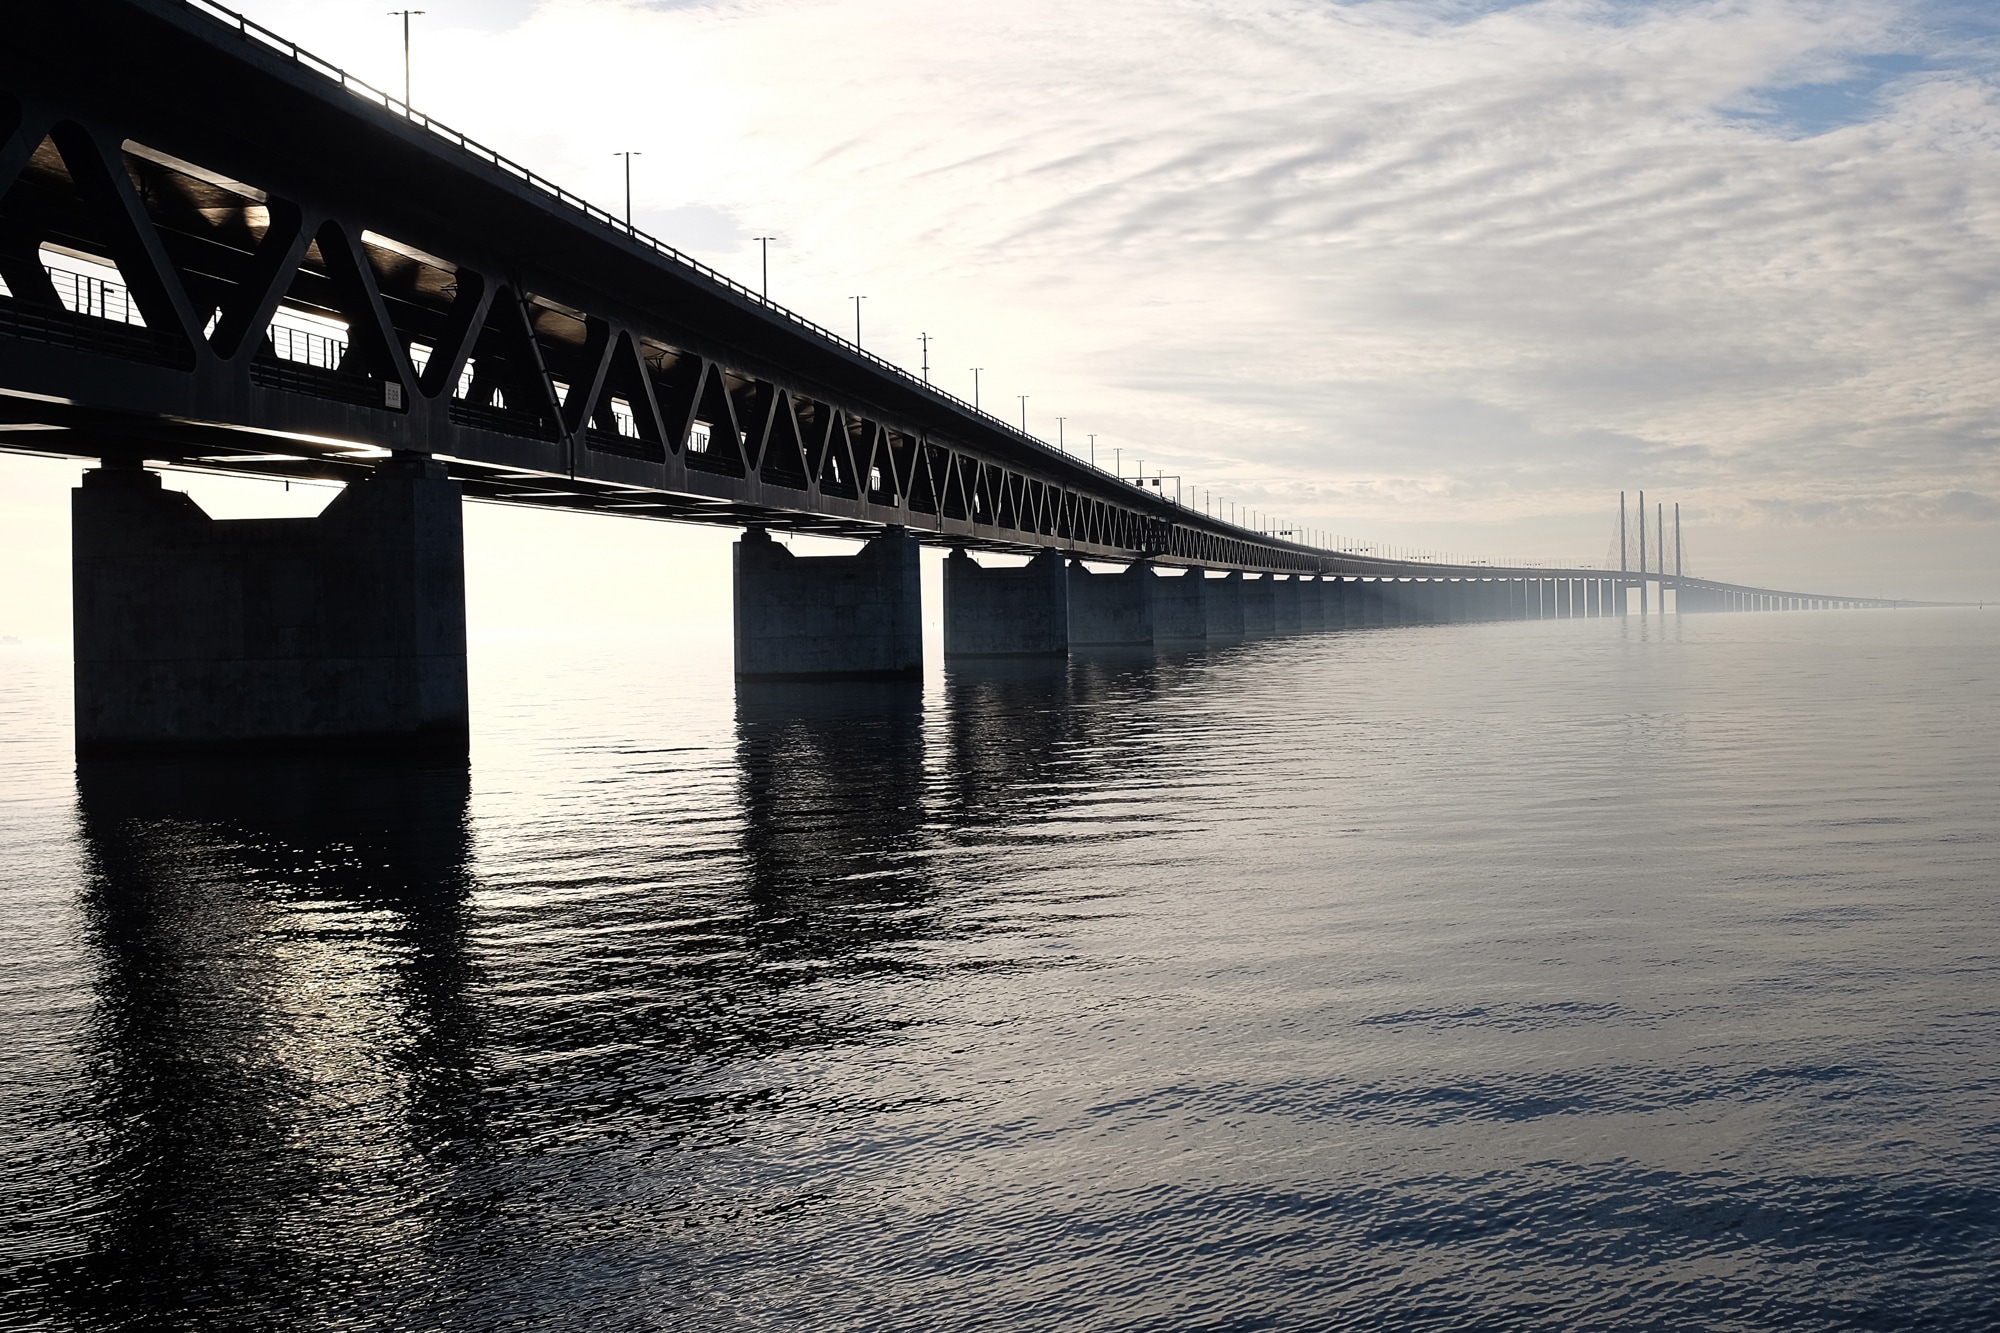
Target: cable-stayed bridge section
220	252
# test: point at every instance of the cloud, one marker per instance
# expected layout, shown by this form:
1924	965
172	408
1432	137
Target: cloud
1901	511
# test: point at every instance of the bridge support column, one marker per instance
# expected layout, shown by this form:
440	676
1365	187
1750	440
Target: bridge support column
1259	612
1180	607
828	617
1387	603
1379	603
1223	599
1111	610
1313	594
1343	608
1416	596
1284	605
1408	594
1394	608
346	630
1018	612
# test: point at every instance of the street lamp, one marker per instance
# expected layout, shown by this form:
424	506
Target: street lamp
925	339
1024	412
975	386
764	258
405	15
857	320
628	156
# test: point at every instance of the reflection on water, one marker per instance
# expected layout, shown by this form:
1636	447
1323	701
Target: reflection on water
832	794
274	940
1539	976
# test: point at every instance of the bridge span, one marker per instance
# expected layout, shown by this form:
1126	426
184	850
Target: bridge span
220	252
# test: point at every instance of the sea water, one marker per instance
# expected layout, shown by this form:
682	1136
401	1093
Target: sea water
1568	974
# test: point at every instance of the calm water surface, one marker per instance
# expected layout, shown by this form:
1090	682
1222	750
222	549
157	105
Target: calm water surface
1563	975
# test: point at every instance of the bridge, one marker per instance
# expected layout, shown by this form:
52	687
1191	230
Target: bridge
221	252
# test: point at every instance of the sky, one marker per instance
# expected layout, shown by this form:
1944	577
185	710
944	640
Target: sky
1440	273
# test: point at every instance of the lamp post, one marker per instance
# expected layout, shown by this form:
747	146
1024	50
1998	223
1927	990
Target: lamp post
925	339
628	156
406	15
857	320
1061	448
975	386
764	262
1024	412
1093	451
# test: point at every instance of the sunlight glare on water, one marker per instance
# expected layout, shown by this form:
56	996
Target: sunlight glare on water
1542	975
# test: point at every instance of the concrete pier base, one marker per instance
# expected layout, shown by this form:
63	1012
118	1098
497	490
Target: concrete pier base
1017	612
342	631
1344	609
1258	612
1180	607
1285	617
1224	600
1372	602
1313	593
828	617
1111	610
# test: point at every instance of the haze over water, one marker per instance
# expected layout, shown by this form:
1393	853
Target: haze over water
1543	975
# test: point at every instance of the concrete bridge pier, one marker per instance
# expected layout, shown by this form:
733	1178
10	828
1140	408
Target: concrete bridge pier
1395	601
1223	599
1284	605
1343	607
828	617
342	631
1406	592
1372	602
1396	597
1313	593
1180	607
1259	607
1015	612
1111	610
